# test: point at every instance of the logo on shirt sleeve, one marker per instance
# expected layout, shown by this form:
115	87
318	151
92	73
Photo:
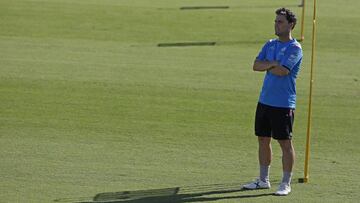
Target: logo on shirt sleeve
292	58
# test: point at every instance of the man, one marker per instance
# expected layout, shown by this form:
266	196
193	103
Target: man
281	59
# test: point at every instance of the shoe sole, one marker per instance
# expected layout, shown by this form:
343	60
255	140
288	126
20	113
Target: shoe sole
263	188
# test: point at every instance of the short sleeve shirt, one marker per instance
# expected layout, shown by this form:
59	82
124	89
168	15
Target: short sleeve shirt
280	91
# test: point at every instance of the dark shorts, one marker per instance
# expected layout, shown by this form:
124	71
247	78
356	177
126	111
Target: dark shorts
274	122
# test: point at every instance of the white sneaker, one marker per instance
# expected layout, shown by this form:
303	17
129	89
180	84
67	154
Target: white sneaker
257	184
284	189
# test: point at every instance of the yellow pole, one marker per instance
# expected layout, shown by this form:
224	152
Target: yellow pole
302	20
307	154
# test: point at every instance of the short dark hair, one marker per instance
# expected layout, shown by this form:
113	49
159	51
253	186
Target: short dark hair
290	16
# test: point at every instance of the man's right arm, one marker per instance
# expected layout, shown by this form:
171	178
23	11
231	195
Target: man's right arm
263	65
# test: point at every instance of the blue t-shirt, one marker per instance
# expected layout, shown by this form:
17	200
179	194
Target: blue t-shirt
279	91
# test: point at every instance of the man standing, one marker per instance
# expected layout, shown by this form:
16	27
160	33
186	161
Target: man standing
281	59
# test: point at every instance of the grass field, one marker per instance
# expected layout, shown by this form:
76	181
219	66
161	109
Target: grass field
90	104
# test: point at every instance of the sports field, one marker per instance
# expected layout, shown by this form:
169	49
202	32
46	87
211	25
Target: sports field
90	104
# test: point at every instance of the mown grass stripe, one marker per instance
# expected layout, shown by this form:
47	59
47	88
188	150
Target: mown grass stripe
182	44
203	7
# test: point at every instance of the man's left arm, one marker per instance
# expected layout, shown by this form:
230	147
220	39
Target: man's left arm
279	70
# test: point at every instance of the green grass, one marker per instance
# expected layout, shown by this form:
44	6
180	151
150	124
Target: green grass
89	103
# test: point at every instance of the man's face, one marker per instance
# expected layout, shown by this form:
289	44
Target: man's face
282	26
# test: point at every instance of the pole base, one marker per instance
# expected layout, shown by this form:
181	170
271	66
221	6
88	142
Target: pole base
303	180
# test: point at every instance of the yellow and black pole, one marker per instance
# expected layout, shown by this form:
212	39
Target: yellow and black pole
302	20
307	151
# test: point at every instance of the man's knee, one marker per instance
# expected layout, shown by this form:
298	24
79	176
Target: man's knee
286	145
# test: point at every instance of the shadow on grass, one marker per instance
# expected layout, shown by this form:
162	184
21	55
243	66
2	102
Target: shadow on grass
224	7
201	193
207	43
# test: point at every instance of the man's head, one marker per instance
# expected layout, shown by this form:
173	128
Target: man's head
285	21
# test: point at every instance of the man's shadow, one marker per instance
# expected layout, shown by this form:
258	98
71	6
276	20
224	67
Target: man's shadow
199	193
